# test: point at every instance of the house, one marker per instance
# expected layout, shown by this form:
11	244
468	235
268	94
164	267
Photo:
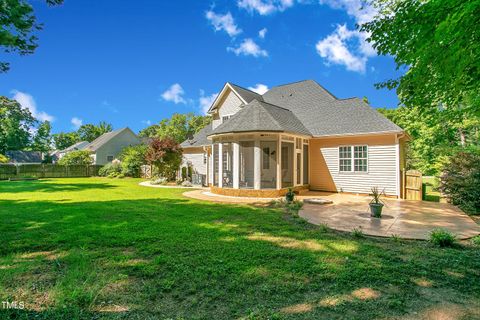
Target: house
297	135
108	146
58	154
24	157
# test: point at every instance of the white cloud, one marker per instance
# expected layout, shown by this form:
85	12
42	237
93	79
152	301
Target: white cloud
346	47
223	22
76	122
360	10
206	101
259	88
248	48
262	33
27	102
174	94
147	122
265	7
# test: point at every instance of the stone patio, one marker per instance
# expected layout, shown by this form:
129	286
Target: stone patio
405	219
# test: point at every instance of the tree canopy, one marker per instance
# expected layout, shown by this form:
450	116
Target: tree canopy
18	25
15	125
179	127
90	132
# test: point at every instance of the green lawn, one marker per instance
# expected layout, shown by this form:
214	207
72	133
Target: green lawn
431	190
100	248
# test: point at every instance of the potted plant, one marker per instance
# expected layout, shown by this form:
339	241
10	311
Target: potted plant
290	195
376	205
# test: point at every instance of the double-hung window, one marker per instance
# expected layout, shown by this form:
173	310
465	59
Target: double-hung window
353	159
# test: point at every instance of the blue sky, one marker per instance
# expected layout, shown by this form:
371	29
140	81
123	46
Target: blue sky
131	63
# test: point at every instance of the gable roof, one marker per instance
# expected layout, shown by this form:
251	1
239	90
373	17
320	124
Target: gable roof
262	116
199	139
77	146
245	95
105	138
20	156
325	115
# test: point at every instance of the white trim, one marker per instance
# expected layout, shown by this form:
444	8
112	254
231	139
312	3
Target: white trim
397	165
352	159
217	99
357	134
236	165
257	169
220	165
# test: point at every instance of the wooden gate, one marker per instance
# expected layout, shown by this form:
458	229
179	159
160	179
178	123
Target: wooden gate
412	185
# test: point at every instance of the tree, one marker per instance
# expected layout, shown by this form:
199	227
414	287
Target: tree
179	127
438	42
90	132
17	27
166	155
64	140
133	158
78	157
15	125
42	141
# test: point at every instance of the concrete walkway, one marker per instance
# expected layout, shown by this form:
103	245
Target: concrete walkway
405	219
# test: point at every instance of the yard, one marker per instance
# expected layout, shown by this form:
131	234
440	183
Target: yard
108	248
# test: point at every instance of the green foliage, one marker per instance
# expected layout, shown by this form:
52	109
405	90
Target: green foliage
18	25
76	158
290	195
111	170
133	158
438	41
15	124
179	127
290	208
159	181
42	141
358	233
90	132
460	181
64	140
3	158
476	240
442	238
166	155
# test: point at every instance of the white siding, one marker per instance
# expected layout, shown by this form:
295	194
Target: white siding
382	159
230	105
115	146
196	161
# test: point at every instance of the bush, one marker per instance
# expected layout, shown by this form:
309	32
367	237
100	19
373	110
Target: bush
133	158
3	159
111	170
442	238
476	240
358	233
161	181
77	157
291	208
460	181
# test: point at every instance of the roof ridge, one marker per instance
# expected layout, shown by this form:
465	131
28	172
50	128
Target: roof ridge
236	85
273	105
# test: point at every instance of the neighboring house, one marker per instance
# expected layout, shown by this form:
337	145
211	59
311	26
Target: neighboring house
25	157
58	154
296	135
108	146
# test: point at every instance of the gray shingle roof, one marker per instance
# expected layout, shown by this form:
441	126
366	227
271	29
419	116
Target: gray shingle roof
199	139
77	146
323	114
20	156
261	116
104	138
247	95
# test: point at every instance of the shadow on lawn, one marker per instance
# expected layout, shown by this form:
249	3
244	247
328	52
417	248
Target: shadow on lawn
179	258
46	185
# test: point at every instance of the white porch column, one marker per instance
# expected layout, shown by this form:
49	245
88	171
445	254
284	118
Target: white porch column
257	174
302	181
220	165
295	162
236	165
279	163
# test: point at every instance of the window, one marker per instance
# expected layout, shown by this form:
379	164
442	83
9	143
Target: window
204	158
360	158
225	118
109	158
353	160
345	159
266	159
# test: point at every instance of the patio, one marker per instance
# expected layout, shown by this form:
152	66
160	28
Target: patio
402	218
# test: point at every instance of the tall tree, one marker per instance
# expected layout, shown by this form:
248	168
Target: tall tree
18	25
64	140
438	42
42	141
179	127
166	155
15	125
90	132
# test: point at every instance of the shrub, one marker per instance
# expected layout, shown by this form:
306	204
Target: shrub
77	157
161	181
460	181
133	158
111	170
288	207
442	238
3	159
165	155
476	240
358	233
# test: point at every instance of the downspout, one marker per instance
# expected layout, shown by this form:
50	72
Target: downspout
397	163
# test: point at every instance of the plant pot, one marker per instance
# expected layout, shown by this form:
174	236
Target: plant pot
376	210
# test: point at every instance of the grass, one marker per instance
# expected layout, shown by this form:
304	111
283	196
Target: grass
431	190
98	248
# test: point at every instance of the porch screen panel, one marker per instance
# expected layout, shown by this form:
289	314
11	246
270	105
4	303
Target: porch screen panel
215	164
268	165
227	165
287	164
305	164
246	163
